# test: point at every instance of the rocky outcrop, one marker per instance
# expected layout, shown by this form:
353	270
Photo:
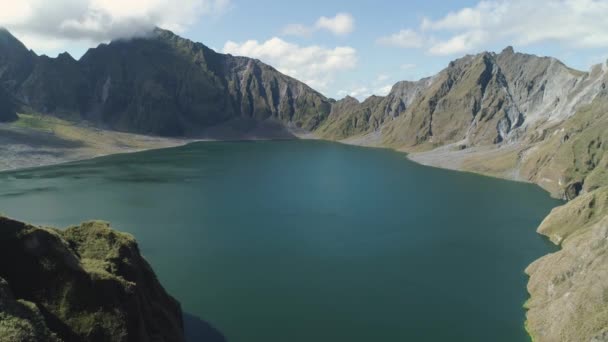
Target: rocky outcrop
85	283
568	288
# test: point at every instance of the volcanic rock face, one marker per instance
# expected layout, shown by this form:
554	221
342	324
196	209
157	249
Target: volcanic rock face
85	283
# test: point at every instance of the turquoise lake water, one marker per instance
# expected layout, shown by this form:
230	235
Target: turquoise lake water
302	241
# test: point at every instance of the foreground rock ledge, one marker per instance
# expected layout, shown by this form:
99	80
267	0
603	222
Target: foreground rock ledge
85	283
569	288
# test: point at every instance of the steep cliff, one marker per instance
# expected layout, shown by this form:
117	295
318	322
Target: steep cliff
85	283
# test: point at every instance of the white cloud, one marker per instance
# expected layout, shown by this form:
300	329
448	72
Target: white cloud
382	77
363	92
358	92
404	39
99	20
380	86
315	65
298	30
340	25
578	24
459	44
383	90
408	66
465	18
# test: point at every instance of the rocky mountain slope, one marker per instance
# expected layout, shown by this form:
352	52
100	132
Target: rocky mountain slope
163	85
479	100
85	283
7	107
349	117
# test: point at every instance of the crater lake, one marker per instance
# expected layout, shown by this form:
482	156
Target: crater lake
304	241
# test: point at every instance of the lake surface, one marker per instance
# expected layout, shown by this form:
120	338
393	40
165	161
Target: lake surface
305	241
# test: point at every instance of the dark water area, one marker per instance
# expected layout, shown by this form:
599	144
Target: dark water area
307	240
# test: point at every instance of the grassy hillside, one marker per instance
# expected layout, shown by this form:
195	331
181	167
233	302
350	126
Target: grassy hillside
35	140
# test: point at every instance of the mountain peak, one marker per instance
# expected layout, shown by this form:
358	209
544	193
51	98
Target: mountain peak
165	35
66	56
161	32
508	50
7	39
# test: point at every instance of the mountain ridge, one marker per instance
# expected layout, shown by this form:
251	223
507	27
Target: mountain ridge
162	85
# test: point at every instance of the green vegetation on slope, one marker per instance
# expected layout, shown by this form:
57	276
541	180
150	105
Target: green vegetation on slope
468	101
86	283
21	320
575	153
568	288
350	118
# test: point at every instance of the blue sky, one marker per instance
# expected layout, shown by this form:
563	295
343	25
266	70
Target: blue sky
358	47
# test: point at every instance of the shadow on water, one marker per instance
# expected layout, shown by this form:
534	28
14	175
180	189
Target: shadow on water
198	330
